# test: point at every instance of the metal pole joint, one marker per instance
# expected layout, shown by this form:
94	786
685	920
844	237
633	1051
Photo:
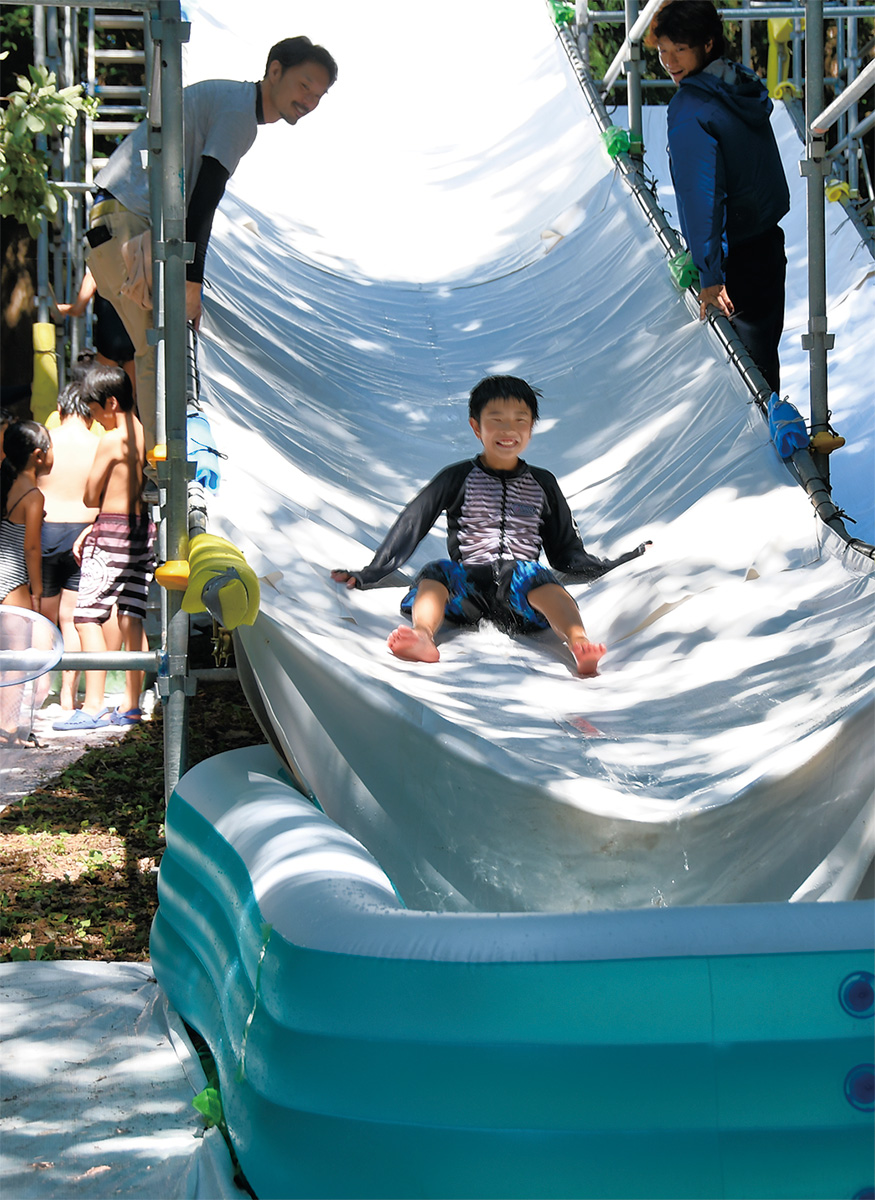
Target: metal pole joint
182	29
173	248
817	164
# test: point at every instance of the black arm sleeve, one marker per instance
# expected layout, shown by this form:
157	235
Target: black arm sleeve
414	522
208	191
562	541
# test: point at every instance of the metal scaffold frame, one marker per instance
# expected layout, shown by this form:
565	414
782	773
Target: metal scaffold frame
811	468
167	32
849	166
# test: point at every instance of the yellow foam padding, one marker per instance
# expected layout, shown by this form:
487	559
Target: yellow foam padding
778	64
825	443
173	575
786	90
234	599
44	393
208	557
780	29
836	189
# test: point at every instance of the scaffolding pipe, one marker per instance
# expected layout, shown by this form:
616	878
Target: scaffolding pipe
637	27
817	341
825	120
853	71
861	128
42	243
633	81
124	5
779	11
112	660
170	249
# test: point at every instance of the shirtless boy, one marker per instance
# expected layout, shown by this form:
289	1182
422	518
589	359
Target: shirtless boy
116	552
66	518
501	512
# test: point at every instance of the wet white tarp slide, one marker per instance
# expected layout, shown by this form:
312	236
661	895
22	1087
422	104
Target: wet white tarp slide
427	226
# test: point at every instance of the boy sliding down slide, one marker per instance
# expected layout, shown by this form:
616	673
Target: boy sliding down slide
500	514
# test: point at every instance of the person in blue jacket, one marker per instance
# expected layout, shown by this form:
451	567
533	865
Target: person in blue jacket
729	182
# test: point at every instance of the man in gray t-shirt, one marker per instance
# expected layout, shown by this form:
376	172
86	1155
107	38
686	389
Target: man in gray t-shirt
220	118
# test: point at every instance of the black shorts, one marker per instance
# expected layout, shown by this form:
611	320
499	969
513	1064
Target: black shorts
61	572
110	336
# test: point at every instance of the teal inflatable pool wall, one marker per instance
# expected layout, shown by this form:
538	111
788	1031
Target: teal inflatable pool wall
367	1050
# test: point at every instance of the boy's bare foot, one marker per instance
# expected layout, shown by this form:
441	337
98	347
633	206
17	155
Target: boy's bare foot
413	645
586	656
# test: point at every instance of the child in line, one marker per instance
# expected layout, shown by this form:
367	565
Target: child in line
501	512
27	456
116	552
66	518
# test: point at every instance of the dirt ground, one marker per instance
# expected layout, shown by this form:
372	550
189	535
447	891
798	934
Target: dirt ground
82	829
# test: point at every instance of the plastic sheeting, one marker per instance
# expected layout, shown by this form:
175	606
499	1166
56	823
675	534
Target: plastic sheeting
97	1083
369	266
30	646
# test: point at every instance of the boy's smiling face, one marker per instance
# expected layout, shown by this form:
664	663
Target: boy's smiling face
681	60
505	429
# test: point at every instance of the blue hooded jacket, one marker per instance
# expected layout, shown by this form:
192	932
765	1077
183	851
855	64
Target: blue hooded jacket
727	171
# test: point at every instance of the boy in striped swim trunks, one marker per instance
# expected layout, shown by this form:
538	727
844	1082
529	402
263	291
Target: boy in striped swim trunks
117	550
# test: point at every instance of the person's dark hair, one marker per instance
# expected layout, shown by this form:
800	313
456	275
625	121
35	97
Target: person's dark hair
103	381
85	360
19	442
502	387
292	51
72	403
690	23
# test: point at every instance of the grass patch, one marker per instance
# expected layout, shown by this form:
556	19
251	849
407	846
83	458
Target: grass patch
80	853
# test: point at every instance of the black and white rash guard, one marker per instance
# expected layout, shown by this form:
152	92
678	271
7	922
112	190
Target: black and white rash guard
493	518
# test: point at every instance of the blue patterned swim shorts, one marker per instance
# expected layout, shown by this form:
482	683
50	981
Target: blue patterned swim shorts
479	591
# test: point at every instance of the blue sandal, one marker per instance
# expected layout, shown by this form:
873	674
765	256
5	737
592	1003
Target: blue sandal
132	717
80	721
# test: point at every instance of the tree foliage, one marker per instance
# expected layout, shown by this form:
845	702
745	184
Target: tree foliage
36	109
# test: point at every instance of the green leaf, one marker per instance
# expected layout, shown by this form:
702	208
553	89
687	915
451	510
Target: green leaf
209	1104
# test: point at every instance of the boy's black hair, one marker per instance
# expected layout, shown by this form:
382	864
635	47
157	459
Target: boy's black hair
85	360
19	442
72	403
690	23
292	51
502	387
102	382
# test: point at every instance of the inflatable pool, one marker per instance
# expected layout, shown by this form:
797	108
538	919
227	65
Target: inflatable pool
366	1050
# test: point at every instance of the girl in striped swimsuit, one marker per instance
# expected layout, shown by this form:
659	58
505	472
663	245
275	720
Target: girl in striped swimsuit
27	455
